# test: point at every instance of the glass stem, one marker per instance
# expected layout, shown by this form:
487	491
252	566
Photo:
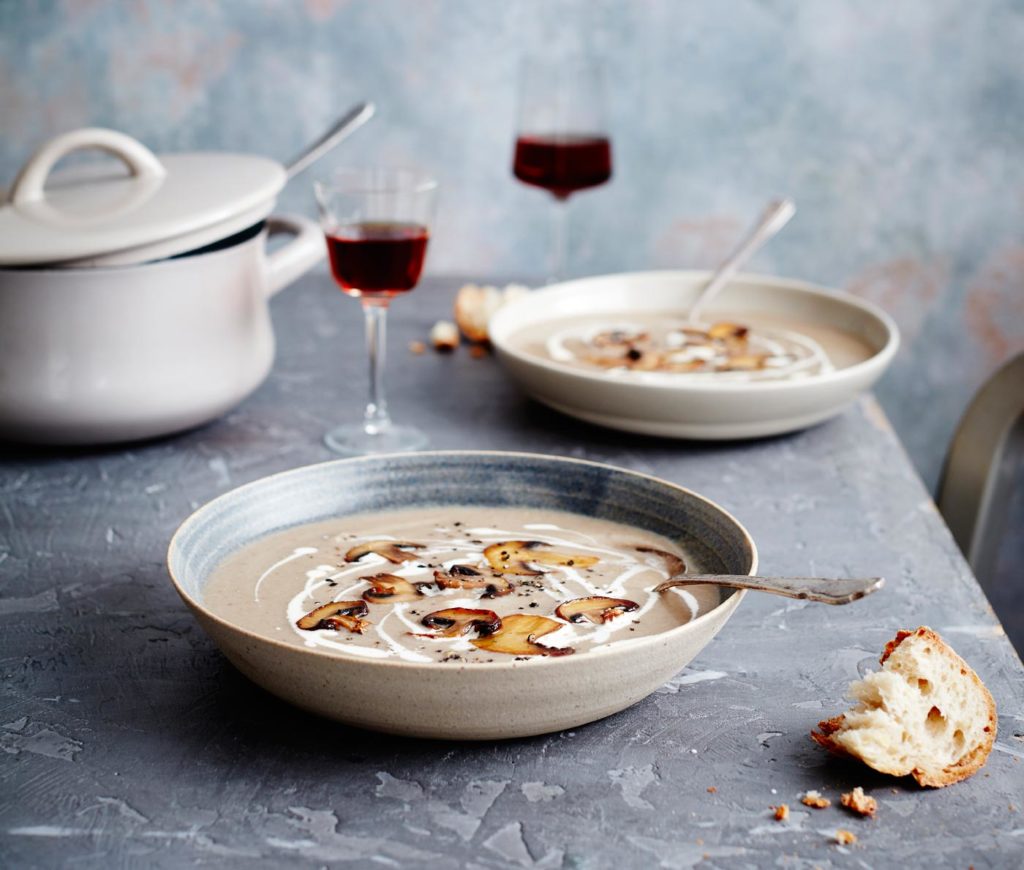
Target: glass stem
559	239
376	419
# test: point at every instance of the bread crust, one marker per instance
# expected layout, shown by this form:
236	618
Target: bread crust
968	764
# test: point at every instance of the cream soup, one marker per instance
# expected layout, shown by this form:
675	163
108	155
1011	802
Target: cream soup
656	344
457	584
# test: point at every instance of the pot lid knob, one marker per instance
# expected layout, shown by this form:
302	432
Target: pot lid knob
29	185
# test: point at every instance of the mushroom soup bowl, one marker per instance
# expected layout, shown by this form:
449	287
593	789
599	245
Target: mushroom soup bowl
704	407
480	700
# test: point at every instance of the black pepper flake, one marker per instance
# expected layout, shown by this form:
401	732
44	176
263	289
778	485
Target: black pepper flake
633	354
534	604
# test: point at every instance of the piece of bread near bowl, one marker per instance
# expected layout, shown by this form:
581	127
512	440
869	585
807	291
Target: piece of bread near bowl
476	304
925	714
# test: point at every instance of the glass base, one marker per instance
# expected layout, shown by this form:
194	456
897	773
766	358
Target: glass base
353	439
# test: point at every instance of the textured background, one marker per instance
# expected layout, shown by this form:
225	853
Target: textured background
898	129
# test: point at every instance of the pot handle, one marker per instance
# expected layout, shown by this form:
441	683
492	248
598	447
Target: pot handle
28	186
297	257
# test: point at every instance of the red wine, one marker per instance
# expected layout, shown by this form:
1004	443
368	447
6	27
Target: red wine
378	258
563	164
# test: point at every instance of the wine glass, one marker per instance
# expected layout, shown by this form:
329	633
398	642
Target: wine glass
562	144
377	224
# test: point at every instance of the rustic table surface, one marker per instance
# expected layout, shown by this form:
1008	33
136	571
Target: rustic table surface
129	741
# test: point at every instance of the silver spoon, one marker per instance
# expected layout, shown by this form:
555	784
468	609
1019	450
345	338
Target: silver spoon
775	217
347	124
812	588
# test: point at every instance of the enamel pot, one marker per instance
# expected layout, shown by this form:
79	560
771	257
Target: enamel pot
136	306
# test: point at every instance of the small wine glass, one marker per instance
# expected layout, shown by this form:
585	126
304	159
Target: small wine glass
562	143
377	224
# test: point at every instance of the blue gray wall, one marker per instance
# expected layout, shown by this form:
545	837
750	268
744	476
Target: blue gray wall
898	127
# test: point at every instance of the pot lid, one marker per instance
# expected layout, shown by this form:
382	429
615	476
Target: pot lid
164	206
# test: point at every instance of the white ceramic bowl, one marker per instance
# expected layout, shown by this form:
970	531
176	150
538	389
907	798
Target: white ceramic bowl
691	408
482	700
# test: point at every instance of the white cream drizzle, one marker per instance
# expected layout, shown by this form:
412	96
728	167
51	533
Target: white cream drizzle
297	553
392	623
790	354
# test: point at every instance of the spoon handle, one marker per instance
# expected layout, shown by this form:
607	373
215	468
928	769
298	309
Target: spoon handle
812	588
776	216
347	124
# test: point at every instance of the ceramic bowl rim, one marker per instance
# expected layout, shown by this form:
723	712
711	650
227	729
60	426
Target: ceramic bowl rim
882	357
635	644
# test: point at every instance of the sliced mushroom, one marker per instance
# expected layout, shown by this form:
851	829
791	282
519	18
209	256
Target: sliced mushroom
456	621
389	589
465	577
746	362
336	615
595	608
511	557
728	331
673	563
390	550
518	637
458	577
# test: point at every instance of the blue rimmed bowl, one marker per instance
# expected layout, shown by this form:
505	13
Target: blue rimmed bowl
482	700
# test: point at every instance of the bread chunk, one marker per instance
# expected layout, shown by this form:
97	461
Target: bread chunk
925	714
475	305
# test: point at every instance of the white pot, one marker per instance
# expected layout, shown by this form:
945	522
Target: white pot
97	355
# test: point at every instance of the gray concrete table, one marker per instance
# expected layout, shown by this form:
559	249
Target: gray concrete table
129	741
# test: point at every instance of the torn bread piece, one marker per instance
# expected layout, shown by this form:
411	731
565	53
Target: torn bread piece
475	305
926	714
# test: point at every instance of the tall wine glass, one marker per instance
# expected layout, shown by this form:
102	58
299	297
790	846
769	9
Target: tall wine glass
562	143
377	224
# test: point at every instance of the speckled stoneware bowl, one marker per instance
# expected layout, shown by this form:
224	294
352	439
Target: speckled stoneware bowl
478	701
691	408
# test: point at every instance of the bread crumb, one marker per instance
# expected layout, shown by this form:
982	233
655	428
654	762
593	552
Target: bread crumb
814	799
845	838
417	347
712	789
781	812
478	351
444	336
699	841
859	802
